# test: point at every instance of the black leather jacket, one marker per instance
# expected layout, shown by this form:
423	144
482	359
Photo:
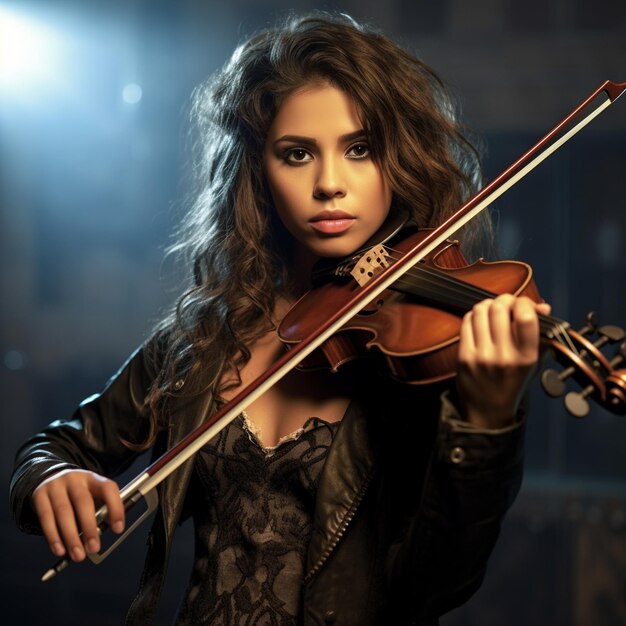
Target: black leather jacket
408	509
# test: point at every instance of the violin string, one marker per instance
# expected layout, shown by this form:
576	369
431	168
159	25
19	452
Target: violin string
440	286
437	284
565	339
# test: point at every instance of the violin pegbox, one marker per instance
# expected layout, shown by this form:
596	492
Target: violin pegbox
369	263
601	379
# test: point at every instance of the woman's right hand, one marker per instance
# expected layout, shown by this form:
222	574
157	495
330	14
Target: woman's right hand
66	506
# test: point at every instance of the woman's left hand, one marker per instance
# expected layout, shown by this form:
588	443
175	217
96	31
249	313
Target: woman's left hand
498	352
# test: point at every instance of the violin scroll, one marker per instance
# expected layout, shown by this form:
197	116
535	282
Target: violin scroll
601	379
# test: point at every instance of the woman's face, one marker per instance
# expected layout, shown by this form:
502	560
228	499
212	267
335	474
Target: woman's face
327	189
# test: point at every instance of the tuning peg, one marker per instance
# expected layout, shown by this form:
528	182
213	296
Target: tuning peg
576	402
612	333
553	382
591	323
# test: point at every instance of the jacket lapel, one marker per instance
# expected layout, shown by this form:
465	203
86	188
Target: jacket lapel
343	482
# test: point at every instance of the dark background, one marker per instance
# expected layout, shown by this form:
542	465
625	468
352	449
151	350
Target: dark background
90	187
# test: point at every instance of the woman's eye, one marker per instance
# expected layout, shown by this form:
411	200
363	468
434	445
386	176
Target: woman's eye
297	155
359	151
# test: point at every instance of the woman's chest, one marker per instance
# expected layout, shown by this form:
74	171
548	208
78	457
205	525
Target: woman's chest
296	397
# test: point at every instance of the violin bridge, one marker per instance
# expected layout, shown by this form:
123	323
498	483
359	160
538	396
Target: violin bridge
375	259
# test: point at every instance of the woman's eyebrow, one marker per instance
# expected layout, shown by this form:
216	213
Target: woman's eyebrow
357	134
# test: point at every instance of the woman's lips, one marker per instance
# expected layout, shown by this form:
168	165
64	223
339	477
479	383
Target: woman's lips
332	223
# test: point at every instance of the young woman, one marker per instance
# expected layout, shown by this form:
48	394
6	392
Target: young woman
341	497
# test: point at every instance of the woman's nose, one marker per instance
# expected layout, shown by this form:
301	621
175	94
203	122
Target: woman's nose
330	182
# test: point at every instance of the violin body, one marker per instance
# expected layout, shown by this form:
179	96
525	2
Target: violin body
414	328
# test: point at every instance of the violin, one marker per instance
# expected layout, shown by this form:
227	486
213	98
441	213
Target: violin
413	327
382	276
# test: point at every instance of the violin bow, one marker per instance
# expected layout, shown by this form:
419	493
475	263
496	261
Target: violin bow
143	486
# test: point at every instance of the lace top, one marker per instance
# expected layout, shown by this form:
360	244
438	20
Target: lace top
253	522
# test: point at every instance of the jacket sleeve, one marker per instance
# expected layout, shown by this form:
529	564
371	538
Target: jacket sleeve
91	439
472	479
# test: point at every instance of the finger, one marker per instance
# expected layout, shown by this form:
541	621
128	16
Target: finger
85	513
500	327
109	493
526	326
481	328
66	523
543	308
467	346
47	521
